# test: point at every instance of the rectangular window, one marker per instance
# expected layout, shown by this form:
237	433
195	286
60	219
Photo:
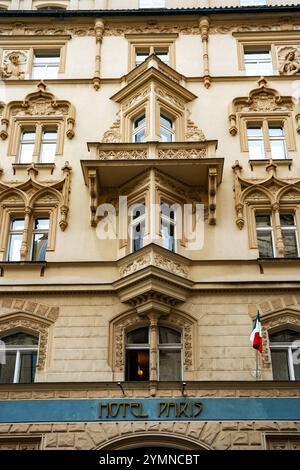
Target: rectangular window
258	62
37	143
15	239
27	144
48	146
167	131
142	54
139	128
40	239
280	364
277	141
255	142
152	3
289	235
264	234
45	65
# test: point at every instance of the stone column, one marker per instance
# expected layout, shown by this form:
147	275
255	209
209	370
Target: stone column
278	233
99	28
204	29
25	239
153	318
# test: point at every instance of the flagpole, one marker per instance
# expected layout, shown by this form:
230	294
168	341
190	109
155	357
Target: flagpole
256	368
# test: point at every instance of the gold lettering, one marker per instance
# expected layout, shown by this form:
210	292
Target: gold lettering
103	406
198	406
182	410
139	408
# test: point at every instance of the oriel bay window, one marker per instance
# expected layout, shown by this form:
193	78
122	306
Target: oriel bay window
21	351
38	144
28	237
266	140
284	347
153	353
282	242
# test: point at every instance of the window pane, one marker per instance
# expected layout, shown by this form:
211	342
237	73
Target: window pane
165	135
7	370
256	149
290	243
17	224
140	121
48	152
28	136
278	149
141	56
254	132
27	367
137	365
165	121
40	242
169	364
263	220
15	247
280	364
285	336
287	220
137	211
26	152
45	65
297	371
41	224
138	336
265	246
163	56
20	339
276	131
140	136
167	335
167	231
138	233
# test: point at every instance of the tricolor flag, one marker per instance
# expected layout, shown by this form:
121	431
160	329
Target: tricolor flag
256	336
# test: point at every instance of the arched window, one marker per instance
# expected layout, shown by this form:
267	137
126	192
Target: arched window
285	354
137	226
167	353
20	356
167	128
139	128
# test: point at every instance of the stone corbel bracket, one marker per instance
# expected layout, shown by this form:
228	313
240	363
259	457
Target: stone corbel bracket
204	30
99	30
261	100
271	189
40	104
93	190
31	190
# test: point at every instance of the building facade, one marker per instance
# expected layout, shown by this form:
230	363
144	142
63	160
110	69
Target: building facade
149	208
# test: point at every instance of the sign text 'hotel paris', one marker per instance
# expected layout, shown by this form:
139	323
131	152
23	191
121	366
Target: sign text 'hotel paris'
149	409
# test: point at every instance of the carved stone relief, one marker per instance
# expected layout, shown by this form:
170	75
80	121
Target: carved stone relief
288	60
14	64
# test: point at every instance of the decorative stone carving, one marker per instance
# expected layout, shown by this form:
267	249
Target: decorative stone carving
113	135
193	133
272	190
171	98
154	27
99	30
33	324
187	154
173	267
289	60
261	99
135	265
157	260
32	191
39	104
123	155
13	65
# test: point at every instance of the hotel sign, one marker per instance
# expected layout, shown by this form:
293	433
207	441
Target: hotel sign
149	409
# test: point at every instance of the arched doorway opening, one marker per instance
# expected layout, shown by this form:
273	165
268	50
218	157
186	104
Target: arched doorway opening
153	441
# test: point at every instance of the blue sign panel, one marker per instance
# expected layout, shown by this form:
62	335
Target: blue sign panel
153	409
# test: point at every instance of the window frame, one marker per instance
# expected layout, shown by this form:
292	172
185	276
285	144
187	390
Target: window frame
159	347
132	223
40	126
18	349
36	51
264	229
286	346
265	208
147	41
257	50
265	121
38	232
169	220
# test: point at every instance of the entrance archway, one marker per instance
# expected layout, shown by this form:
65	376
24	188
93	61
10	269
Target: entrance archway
153	440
